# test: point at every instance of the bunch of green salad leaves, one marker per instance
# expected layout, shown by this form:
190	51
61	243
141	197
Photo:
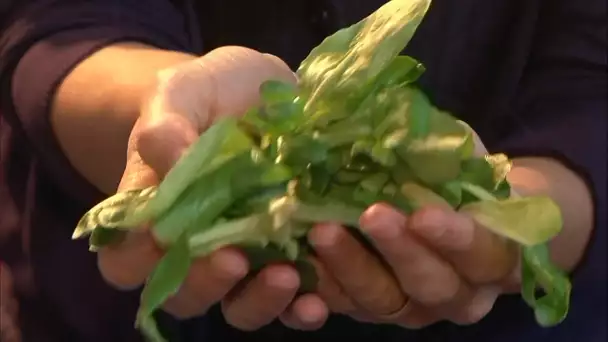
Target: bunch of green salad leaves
353	132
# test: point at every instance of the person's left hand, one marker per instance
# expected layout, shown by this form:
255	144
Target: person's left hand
433	265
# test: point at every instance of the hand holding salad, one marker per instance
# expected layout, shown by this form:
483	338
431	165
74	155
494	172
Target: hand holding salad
353	133
434	264
187	100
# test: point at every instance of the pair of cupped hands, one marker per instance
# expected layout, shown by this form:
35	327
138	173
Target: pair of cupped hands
436	264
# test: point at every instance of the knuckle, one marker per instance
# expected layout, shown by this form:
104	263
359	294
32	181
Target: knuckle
483	275
439	293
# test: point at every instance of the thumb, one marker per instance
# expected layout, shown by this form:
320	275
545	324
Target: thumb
162	140
128	263
190	96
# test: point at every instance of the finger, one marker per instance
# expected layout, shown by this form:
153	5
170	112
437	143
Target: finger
425	277
164	138
476	253
359	273
307	312
263	299
208	282
126	264
478	305
412	317
331	292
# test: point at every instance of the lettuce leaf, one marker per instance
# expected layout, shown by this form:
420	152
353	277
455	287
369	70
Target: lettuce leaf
355	131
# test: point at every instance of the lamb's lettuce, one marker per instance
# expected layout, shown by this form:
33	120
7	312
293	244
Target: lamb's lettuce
354	131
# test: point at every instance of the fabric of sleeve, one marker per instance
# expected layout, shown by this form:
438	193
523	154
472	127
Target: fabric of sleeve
46	39
562	112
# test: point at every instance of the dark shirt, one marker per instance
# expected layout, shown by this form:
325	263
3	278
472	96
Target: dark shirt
528	75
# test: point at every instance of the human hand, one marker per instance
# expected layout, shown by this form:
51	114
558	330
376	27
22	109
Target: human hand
435	264
184	103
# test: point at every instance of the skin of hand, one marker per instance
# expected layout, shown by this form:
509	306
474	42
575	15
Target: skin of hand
184	102
438	264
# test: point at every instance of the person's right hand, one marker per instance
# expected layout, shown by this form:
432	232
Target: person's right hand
185	101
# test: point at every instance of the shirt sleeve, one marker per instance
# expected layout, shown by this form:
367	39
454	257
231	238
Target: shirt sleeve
562	112
46	39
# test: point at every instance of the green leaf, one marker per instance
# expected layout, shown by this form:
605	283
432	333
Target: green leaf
354	132
451	192
102	237
150	329
164	282
400	71
277	92
479	172
344	62
331	212
300	151
205	200
375	182
254	231
343	133
420	196
220	143
537	269
528	221
199	206
111	212
436	157
260	257
419	115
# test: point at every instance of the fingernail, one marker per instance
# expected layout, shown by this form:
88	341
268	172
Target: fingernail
382	222
310	309
283	277
325	235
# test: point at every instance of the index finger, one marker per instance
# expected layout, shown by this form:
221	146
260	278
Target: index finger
126	263
476	253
